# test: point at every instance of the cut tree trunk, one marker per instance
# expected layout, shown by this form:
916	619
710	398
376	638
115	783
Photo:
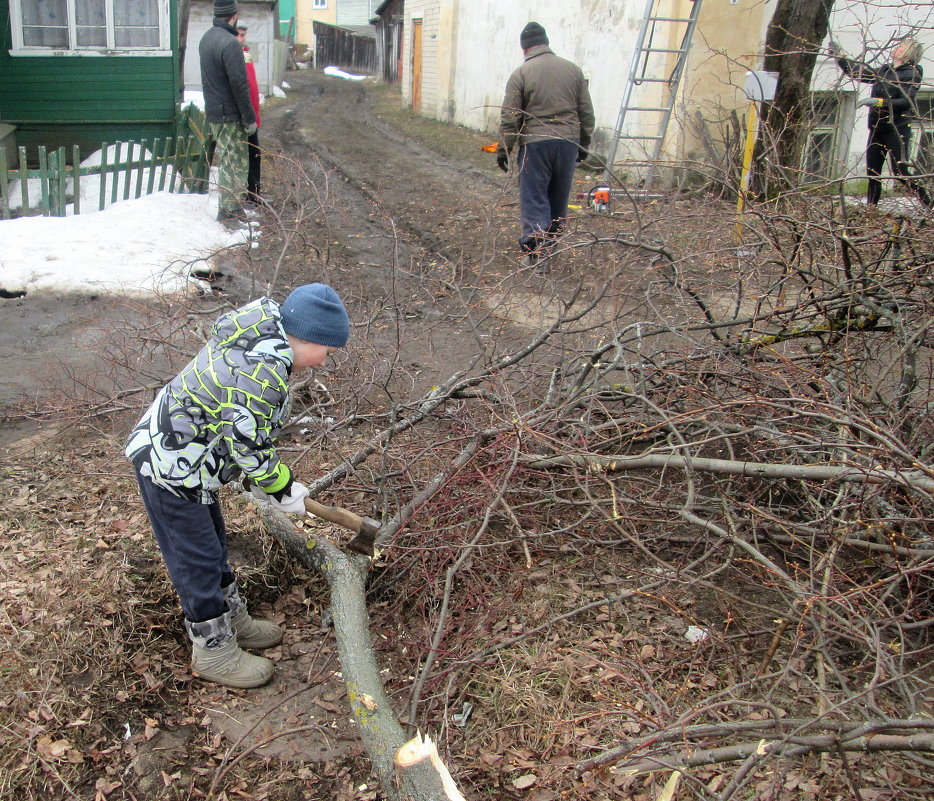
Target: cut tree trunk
380	731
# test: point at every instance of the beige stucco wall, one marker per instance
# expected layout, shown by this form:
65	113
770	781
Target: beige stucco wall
727	43
471	46
305	17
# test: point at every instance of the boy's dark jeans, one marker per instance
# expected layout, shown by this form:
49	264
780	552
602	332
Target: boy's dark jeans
546	172
193	541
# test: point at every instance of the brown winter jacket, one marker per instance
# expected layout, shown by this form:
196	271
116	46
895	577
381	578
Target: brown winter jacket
546	98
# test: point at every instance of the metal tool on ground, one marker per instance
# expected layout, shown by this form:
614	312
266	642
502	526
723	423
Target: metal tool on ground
599	198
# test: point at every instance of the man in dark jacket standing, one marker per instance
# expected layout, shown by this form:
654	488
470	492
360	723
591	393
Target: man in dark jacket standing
227	107
891	104
547	113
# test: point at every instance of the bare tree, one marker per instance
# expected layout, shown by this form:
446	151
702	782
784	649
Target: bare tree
791	46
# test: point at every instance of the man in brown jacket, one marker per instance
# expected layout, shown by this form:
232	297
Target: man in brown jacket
547	113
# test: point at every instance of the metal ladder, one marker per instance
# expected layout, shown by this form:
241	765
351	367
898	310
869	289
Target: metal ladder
639	73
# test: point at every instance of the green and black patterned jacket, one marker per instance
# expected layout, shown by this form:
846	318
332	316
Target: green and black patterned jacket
218	418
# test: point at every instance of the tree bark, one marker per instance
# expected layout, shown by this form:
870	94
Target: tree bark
379	728
791	46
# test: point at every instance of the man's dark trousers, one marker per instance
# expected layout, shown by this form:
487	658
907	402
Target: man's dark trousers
546	172
254	166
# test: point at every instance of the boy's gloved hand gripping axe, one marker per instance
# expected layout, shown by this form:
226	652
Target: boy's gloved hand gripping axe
365	528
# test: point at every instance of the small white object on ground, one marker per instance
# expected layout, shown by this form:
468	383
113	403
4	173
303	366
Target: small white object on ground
337	72
695	634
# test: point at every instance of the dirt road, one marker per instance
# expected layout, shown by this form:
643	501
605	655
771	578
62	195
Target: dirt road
375	200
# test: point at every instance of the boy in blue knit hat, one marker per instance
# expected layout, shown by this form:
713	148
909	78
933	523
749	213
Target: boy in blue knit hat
217	421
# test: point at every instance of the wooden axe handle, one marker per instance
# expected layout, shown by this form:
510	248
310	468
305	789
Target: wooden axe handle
335	514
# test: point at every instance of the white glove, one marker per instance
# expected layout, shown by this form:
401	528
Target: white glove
292	503
872	102
250	129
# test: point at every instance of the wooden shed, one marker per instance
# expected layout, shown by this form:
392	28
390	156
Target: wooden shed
88	77
389	21
261	17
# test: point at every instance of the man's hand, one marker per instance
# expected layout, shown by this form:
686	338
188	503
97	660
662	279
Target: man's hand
250	129
835	50
502	160
872	102
581	154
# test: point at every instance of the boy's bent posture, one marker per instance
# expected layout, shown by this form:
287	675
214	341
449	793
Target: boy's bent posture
214	422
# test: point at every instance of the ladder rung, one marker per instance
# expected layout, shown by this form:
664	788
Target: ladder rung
662	50
627	136
670	19
637	81
646	108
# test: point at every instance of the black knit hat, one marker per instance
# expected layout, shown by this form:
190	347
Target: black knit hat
532	34
225	9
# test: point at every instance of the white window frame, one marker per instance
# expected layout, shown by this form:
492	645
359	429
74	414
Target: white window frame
922	132
319	5
164	47
837	130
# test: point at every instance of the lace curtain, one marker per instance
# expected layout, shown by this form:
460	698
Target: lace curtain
45	23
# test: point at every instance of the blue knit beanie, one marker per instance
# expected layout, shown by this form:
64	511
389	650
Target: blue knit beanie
315	313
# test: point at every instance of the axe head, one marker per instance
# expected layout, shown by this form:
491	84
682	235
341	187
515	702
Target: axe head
365	539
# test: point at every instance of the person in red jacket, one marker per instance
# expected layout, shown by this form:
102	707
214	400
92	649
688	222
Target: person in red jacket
252	179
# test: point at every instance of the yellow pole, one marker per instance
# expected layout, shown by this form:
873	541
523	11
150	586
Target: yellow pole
752	119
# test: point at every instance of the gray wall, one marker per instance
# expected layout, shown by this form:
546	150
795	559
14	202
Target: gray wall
355	12
262	19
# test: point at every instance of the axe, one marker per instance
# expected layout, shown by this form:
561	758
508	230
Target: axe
365	529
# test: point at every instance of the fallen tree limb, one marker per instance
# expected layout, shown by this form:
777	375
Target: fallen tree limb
914	478
791	747
767	728
379	728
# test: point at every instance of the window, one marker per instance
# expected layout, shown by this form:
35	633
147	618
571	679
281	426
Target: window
922	133
822	156
90	27
320	4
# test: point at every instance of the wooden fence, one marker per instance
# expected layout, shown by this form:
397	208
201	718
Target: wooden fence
340	47
174	164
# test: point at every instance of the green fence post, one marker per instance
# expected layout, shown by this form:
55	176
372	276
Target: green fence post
154	162
145	157
102	200
175	160
116	172
165	161
60	186
23	181
76	180
44	180
4	188
128	172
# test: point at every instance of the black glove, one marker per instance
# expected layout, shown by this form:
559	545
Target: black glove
581	154
502	160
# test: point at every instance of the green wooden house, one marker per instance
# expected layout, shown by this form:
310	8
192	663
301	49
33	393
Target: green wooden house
81	72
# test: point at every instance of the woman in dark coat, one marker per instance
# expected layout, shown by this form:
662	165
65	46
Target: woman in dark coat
891	105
